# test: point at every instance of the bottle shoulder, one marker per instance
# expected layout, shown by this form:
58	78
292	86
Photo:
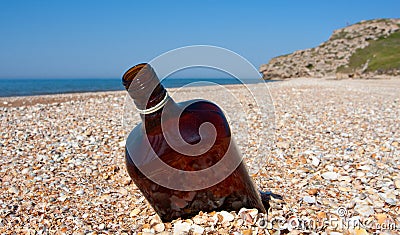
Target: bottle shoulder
199	111
200	105
186	123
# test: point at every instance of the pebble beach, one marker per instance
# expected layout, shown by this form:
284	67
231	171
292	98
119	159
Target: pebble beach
333	162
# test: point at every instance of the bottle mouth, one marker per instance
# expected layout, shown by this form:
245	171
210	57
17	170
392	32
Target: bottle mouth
143	85
130	75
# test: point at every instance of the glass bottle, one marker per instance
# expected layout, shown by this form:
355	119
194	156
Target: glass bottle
182	156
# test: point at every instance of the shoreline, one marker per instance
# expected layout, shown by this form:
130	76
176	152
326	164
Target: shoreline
54	86
17	101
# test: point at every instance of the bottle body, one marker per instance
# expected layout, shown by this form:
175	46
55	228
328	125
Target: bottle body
148	143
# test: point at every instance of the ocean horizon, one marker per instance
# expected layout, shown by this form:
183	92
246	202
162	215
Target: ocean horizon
47	86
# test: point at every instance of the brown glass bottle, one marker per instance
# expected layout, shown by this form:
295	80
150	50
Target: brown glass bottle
214	179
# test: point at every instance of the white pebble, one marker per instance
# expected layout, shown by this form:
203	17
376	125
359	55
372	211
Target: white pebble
364	210
197	229
397	183
330	175
315	161
122	144
227	217
159	227
25	171
391	201
62	198
80	192
102	226
309	199
181	228
13	190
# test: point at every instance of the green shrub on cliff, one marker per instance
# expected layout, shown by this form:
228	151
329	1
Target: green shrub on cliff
382	55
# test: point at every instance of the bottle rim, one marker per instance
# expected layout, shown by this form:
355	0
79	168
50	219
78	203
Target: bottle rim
130	75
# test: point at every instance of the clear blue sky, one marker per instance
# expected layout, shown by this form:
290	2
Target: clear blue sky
69	39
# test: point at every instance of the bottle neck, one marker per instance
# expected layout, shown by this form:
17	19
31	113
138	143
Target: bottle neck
143	86
145	89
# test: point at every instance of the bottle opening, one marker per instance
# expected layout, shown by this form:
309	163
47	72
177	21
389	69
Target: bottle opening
143	86
130	75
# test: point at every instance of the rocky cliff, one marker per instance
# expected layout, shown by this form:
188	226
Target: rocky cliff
329	58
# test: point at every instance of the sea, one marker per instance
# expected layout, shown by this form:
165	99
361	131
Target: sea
30	87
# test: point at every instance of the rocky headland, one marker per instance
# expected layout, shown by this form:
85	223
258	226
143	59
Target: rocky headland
367	49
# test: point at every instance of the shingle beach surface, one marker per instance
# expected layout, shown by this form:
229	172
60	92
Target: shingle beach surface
335	160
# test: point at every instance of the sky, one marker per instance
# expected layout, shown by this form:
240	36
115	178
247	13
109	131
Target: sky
101	39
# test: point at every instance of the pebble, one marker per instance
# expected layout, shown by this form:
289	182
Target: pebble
364	210
181	227
63	198
199	220
134	212
226	216
159	227
351	204
102	226
360	174
284	145
330	175
197	229
88	171
313	191
309	199
397	183
248	215
38	178
391	201
80	192
126	181
362	196
121	144
163	233
359	231
13	190
335	233
25	171
365	168
345	178
315	161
